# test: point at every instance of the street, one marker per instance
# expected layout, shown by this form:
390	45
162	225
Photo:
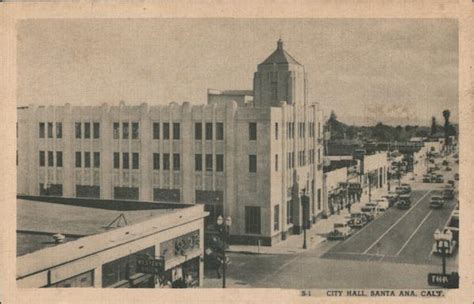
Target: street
396	246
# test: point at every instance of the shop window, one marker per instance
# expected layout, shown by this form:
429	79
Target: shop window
81	280
219	162
252	131
220	131
166	195
59	130
198	162
135	161
87	130
51	189
96	130
130	193
41	130
176	162
208	131
208	162
252	220
198	131
123	268
87	191
176	131
135	130
166	130
252	163
156	130
166	161
156	161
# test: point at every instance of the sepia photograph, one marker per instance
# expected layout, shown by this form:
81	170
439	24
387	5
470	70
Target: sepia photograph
316	155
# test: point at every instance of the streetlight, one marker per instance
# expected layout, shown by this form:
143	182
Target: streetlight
223	228
305	205
443	242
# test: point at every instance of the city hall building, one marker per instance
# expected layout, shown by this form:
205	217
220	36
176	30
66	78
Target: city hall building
251	155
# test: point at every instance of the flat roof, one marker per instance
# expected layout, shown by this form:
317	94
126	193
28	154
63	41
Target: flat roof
37	221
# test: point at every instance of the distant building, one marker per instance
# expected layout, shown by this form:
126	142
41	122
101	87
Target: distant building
66	244
251	155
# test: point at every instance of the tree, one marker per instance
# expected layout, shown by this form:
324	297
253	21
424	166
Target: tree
433	125
446	114
332	117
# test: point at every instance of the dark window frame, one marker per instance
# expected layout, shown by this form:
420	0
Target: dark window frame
166	131
198	131
156	130
176	130
252	131
156	161
219	131
253	220
219	162
78	159
198	162
176	162
252	163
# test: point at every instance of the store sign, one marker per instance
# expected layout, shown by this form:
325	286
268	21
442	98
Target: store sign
443	280
180	246
146	264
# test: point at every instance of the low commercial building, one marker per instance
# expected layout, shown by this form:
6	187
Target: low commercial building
67	243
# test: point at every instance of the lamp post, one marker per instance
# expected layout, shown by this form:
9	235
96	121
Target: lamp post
305	205
443	242
224	227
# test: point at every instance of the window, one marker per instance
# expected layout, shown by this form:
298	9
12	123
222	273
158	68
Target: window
198	162
87	159
116	160
59	130
208	131
41	130
166	161
276	162
116	130
59	158
176	162
292	159
220	131
176	130
50	130
50	159
276	131
156	130
87	130
96	130
135	161
319	199
208	162
252	131
319	156
96	159
135	130
41	158
125	161
125	130
156	161
198	131
252	163
166	130
78	160
319	129
276	218
288	130
289	160
219	162
252	220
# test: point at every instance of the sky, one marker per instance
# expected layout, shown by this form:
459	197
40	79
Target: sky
367	70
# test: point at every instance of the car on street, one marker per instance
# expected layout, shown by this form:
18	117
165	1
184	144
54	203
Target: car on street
439	178
404	202
427	178
402	190
448	168
451	183
382	204
445	162
456	176
358	220
341	231
370	211
437	200
448	192
407	186
392	198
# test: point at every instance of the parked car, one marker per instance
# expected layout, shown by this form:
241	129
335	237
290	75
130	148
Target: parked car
456	176
448	193
341	231
445	163
451	183
392	198
437	200
404	202
402	190
455	155
407	186
370	211
358	220
448	168
382	204
439	178
427	178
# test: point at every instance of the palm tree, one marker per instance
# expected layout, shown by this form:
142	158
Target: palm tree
446	114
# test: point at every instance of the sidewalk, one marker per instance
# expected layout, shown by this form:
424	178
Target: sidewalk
294	244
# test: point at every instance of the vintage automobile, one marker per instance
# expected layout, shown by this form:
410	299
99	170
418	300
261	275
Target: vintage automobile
358	220
448	192
448	168
382	204
404	202
341	231
439	178
370	211
450	241
445	162
427	178
456	176
407	186
392	198
402	190
451	183
437	200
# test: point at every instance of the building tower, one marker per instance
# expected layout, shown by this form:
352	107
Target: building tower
279	78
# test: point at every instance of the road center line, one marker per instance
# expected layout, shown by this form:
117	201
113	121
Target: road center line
398	221
414	232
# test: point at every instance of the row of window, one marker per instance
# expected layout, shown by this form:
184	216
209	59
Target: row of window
209	162
83	130
83	159
42	158
124	129
124	159
57	126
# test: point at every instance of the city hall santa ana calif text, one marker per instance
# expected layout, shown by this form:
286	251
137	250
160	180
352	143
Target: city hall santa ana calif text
251	155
